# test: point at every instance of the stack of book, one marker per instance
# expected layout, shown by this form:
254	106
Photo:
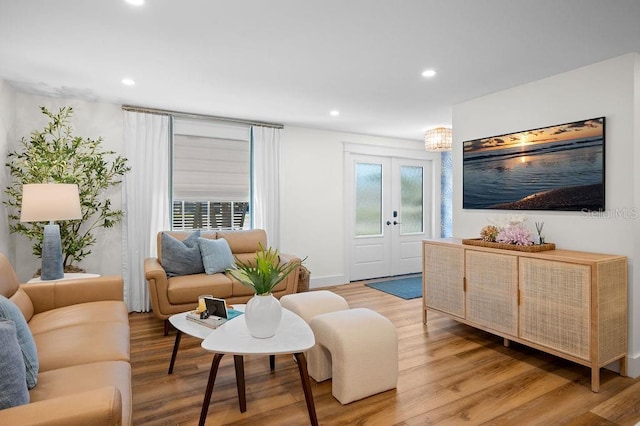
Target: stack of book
212	321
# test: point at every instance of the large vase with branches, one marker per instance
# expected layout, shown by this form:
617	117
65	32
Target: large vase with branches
54	154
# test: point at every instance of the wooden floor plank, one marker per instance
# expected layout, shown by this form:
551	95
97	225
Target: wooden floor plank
449	373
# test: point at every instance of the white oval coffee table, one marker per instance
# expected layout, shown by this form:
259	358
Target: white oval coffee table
294	336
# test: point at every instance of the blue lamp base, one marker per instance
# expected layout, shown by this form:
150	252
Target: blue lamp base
51	254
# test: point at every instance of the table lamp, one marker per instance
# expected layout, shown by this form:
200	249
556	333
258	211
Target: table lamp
43	202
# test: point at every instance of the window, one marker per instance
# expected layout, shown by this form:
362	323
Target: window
211	176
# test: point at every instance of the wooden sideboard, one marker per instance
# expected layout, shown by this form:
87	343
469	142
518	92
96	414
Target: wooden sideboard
568	303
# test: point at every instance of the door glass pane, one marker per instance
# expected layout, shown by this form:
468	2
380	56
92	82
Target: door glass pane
368	199
411	202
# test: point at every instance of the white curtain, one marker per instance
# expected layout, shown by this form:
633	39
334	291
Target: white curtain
145	200
267	182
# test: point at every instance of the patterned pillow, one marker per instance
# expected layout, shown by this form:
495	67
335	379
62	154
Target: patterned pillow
13	380
11	312
216	255
181	257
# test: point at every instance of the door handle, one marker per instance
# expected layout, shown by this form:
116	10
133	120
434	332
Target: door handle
395	222
388	223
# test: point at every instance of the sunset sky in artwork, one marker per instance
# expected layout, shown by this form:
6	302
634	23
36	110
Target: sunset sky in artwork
563	132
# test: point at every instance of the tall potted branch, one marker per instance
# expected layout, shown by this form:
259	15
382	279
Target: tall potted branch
54	154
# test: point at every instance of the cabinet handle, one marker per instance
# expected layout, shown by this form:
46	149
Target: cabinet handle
464	284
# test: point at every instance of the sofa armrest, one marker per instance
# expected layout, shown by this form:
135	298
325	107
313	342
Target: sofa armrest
291	281
101	406
158	287
55	294
286	258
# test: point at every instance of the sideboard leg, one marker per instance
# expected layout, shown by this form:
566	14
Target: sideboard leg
623	366
506	343
595	379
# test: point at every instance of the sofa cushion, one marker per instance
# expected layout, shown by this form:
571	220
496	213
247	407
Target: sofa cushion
245	241
13	380
181	257
216	255
10	311
83	344
81	378
101	311
182	290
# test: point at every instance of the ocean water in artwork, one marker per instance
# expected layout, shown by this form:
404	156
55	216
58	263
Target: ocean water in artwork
550	172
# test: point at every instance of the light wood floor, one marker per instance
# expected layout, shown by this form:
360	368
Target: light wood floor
450	374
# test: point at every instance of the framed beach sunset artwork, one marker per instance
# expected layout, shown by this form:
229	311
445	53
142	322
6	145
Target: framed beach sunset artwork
559	167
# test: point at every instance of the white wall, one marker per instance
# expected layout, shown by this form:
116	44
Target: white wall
90	119
314	197
7	119
313	214
608	89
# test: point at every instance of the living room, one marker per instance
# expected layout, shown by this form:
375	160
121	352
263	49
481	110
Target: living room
314	203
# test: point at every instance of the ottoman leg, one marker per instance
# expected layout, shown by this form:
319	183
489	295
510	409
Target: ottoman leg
308	305
363	347
319	363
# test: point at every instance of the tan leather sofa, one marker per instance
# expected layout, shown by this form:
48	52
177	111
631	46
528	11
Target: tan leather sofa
81	332
179	294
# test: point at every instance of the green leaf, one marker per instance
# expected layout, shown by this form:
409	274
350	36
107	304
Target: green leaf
266	272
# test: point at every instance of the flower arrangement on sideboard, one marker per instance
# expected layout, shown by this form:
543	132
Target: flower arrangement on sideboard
512	230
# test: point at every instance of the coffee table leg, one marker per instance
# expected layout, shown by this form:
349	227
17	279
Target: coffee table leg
207	394
272	362
176	345
238	361
306	386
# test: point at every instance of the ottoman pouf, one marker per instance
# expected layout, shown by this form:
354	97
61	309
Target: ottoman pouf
361	347
308	305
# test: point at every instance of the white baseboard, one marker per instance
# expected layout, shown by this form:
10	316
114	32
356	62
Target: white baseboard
326	281
633	366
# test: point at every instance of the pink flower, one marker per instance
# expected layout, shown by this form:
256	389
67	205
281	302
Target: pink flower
515	235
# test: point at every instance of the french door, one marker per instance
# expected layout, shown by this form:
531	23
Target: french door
390	208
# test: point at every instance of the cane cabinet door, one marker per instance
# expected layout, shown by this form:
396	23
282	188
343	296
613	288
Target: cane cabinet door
555	305
444	279
492	290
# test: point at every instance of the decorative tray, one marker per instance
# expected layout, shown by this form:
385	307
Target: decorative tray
529	249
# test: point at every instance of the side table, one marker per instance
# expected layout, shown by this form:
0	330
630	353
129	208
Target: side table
183	325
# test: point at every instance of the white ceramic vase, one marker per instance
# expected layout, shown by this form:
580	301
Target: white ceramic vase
263	314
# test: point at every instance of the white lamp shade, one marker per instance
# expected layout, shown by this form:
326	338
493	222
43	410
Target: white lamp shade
438	139
50	201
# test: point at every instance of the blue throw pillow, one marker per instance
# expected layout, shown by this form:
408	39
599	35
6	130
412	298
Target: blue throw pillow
11	312
181	257
216	255
13	380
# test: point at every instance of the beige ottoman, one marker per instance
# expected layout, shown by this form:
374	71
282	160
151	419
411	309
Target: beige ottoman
308	305
361	348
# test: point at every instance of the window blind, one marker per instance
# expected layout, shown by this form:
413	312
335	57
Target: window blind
211	161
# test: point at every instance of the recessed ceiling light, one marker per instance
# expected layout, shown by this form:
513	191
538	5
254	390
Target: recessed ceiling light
428	73
334	113
135	2
128	82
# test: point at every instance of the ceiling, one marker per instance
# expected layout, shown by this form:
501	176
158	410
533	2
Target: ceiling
293	61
